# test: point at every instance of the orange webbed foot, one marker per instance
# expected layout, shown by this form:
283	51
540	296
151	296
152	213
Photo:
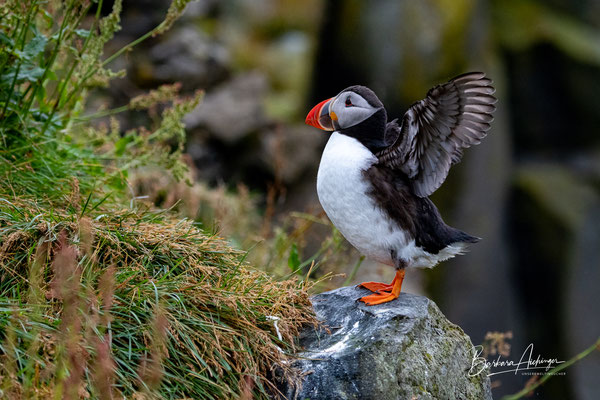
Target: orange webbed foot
376	287
379	298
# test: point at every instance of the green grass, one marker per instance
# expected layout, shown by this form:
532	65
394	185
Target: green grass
100	296
50	62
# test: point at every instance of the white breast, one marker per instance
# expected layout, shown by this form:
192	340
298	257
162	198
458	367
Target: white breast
342	191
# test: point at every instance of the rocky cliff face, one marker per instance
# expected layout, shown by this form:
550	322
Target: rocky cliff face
404	349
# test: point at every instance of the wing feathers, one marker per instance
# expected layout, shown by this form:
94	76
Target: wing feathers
484	109
435	130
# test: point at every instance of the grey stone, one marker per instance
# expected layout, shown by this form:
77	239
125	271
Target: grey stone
232	110
190	56
404	349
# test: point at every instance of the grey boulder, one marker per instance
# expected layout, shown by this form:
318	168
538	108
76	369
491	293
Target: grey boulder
404	349
232	110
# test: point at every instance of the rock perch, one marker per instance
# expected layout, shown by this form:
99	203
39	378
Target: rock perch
404	349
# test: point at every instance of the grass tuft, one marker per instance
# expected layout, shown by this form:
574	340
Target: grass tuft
175	310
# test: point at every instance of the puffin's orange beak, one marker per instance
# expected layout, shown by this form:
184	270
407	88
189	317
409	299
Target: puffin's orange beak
319	116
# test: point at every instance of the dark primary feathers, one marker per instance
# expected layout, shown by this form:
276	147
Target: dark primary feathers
435	130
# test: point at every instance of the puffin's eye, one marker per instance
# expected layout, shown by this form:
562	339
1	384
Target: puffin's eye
348	101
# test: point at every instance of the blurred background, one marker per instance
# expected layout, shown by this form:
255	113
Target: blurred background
531	190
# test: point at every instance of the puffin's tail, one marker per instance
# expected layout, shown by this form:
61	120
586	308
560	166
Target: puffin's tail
457	243
459	236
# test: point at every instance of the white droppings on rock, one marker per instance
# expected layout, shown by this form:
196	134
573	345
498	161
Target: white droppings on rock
340	345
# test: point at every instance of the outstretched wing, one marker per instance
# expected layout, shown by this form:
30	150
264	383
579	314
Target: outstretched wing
435	130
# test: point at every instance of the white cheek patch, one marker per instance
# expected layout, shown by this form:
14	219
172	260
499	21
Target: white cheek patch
359	101
353	115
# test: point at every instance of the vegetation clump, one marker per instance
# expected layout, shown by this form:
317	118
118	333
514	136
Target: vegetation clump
139	300
101	296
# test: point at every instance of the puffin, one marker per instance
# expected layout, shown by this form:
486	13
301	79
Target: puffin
375	176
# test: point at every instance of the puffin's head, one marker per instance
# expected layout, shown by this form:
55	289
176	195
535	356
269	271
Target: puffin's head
350	108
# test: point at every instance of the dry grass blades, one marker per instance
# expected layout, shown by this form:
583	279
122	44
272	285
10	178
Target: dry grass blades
136	303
